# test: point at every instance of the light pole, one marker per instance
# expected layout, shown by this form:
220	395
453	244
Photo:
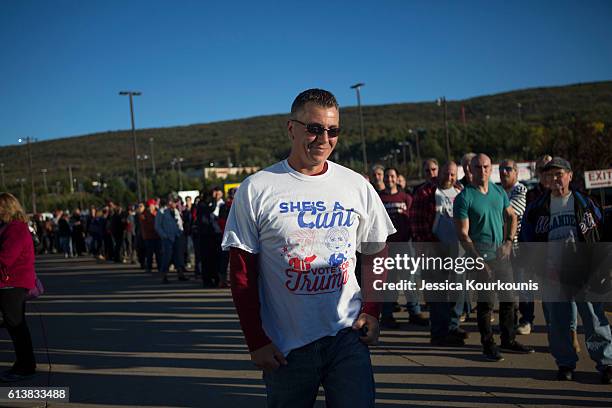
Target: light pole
44	174
131	94
357	88
178	162
403	145
2	169
70	178
21	181
152	155
28	141
99	175
520	111
442	102
143	159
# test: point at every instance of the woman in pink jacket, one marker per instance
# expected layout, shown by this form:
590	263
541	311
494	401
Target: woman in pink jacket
17	276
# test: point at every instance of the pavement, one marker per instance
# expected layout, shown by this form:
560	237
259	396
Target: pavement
119	338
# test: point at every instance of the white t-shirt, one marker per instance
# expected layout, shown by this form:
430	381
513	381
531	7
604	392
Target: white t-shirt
562	230
445	199
444	226
562	219
306	230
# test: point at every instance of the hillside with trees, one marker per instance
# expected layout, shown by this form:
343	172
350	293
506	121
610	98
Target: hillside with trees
572	121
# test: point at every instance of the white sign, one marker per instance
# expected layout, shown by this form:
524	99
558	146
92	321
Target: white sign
598	178
189	193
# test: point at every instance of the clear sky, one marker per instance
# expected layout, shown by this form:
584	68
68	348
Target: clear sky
63	62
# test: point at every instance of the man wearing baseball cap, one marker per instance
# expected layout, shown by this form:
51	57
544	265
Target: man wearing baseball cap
570	219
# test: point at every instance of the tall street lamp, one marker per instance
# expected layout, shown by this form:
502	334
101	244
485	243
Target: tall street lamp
180	171
403	145
143	159
44	174
131	94
70	179
357	88
442	102
2	170
28	141
151	140
21	181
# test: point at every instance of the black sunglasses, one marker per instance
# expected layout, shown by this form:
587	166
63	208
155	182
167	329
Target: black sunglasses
317	129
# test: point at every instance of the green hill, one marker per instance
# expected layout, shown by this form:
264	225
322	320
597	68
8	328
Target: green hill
569	120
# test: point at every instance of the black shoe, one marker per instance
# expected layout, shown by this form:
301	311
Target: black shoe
492	353
606	375
419	319
183	278
516	347
389	322
565	374
459	333
447	341
165	280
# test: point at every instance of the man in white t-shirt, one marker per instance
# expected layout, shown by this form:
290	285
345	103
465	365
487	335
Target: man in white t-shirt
292	232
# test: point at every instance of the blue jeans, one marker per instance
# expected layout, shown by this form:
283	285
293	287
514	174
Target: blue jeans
443	318
596	333
574	322
462	304
66	245
171	251
341	363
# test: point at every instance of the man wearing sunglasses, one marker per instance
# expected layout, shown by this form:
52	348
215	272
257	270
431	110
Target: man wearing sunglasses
292	233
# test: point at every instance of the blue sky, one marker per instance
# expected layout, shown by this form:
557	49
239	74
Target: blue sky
64	62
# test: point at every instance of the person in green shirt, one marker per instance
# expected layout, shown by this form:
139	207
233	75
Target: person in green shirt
486	225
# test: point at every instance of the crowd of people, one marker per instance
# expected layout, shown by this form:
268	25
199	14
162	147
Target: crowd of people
289	240
473	213
174	233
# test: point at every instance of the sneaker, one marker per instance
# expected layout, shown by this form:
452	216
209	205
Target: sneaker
524	328
463	318
565	374
12	376
459	333
492	353
183	278
389	322
606	375
447	341
419	319
575	342
516	347
165	280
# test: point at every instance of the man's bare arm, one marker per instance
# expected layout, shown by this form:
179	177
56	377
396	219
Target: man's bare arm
463	229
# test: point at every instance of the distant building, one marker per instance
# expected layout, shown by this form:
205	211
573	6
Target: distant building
225	172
